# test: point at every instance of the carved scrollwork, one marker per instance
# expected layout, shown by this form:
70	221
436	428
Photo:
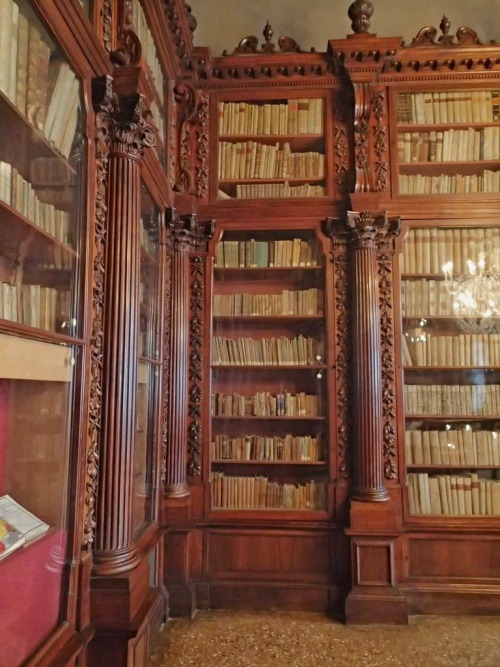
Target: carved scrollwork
107	24
186	99
380	142
102	106
128	50
427	36
360	13
385	256
250	44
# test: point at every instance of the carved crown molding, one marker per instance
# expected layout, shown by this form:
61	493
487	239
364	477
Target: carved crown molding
427	36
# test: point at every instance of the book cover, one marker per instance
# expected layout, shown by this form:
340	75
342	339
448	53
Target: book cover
26	525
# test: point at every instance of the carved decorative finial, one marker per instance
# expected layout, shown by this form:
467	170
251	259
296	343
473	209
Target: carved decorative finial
360	13
445	25
268	35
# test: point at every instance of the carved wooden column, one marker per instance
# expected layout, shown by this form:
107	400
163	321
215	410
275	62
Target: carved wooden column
127	133
368	469
181	240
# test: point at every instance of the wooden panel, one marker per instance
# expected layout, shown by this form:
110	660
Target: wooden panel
253	554
454	558
272	596
374	563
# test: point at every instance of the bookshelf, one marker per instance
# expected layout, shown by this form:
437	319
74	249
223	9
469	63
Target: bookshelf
42	328
448	142
451	371
272	148
269	419
149	362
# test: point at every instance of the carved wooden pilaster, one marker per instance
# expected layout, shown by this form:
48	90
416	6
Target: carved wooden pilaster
181	240
368	469
186	99
126	133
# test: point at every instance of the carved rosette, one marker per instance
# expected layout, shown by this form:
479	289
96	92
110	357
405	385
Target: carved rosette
186	99
380	141
202	133
385	257
362	98
367	229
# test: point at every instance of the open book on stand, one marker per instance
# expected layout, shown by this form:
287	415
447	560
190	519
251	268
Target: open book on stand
17	526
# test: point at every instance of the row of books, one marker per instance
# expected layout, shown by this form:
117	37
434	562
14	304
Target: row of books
426	298
262	254
420	184
267	448
148	46
265	404
428	249
452	400
450	145
278	191
450	106
422	348
295	116
45	91
454	446
33	305
238	492
289	302
298	351
453	495
253	160
20	195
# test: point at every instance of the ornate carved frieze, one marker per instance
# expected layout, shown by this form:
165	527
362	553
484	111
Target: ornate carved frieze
380	145
385	242
102	105
195	365
335	230
362	99
202	153
186	99
107	24
166	364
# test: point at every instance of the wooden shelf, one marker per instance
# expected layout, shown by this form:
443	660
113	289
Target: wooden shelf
268	418
259	462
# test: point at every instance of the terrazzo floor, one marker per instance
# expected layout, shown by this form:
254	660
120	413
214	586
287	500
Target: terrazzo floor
306	639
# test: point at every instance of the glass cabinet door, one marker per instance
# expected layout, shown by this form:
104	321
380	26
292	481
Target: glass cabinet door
149	363
41	213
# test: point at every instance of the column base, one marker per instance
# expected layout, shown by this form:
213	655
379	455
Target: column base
115	561
371	605
177	490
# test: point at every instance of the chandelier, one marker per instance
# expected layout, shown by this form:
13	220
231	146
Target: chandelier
475	294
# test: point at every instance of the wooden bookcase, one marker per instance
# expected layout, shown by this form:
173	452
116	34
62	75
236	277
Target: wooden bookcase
448	141
272	148
269	373
450	345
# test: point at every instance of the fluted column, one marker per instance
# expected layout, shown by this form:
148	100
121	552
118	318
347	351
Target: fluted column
126	133
368	468
181	240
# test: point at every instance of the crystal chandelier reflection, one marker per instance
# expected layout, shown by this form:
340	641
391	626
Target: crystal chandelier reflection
476	294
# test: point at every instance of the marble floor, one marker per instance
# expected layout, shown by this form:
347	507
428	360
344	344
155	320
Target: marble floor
306	639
